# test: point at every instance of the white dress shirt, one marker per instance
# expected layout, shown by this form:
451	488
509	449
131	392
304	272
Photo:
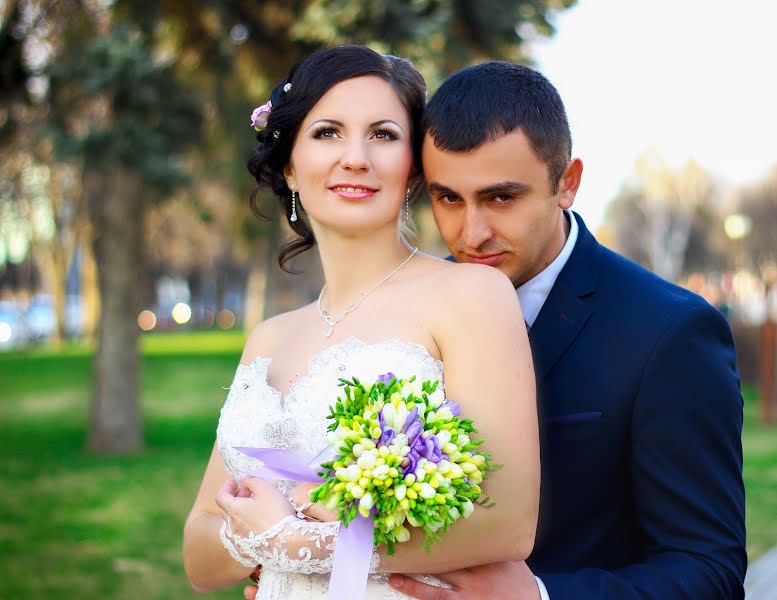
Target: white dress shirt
533	293
532	296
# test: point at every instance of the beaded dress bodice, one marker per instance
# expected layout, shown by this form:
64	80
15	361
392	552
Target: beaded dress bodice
255	415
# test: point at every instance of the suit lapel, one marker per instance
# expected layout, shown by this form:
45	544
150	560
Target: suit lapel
568	306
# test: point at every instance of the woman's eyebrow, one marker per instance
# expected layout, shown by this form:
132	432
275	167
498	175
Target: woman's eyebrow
341	124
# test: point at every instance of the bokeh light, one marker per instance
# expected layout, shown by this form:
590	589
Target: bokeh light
208	318
5	333
737	226
182	313
225	319
146	320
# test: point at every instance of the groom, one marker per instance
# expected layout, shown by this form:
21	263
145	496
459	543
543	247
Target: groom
639	401
641	414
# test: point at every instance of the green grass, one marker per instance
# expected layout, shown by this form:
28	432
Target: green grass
73	524
759	445
78	525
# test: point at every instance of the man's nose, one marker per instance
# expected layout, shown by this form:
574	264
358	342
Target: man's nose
355	156
476	229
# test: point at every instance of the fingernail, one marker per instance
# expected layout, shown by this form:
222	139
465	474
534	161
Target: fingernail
396	581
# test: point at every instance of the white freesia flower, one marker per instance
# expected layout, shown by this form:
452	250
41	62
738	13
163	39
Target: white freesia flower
400	491
389	412
468	467
367	459
401	416
350	473
443	437
380	472
367	501
401	533
462	440
437	397
427	491
443	413
467	508
450	449
455	471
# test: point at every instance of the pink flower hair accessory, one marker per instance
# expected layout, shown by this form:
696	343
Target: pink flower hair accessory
260	115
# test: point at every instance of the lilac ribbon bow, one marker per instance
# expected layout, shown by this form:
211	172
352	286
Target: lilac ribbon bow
353	548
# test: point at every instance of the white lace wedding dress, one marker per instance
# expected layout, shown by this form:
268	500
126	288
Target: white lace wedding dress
255	415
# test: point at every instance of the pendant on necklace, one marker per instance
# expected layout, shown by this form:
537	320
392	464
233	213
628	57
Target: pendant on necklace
329	331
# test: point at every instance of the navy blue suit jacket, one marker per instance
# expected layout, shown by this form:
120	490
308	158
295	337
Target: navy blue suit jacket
641	418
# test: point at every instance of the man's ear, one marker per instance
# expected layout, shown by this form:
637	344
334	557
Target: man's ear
569	183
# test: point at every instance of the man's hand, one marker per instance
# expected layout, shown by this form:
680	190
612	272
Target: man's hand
497	581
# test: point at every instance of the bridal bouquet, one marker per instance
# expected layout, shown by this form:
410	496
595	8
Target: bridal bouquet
403	455
398	453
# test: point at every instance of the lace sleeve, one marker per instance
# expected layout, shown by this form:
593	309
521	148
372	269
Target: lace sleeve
292	545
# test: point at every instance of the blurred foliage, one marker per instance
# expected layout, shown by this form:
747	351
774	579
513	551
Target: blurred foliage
672	220
113	103
136	95
759	203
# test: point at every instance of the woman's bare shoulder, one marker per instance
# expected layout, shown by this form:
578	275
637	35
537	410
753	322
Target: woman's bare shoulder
470	283
265	337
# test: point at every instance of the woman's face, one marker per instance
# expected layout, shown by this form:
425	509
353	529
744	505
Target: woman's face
352	156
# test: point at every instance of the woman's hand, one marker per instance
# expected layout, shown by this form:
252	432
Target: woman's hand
253	506
300	497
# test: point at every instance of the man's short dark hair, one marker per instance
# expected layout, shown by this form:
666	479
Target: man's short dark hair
482	103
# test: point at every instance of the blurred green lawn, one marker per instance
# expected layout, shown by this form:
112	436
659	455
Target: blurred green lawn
78	525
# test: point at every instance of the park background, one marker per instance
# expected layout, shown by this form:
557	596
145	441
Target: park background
131	266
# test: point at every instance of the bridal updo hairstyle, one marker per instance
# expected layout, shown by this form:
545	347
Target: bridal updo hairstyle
310	80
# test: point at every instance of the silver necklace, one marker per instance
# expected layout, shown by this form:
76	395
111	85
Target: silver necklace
332	320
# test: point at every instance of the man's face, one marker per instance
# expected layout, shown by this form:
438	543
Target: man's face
494	205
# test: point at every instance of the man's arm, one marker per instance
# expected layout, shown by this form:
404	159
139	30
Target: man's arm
687	475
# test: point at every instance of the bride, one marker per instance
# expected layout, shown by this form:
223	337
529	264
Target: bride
340	148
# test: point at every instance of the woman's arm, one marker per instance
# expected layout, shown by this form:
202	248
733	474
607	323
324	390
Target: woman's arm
207	563
481	335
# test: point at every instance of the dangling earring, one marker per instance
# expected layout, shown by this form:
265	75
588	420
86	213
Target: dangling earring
407	205
293	216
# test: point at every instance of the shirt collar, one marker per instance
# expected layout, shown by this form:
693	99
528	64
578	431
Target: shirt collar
533	293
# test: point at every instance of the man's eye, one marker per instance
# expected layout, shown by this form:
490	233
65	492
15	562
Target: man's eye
502	198
447	199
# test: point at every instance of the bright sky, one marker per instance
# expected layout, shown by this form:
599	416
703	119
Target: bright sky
693	78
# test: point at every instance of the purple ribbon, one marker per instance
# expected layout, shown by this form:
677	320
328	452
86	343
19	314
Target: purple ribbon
353	548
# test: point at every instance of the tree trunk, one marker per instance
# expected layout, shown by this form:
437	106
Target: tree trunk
116	202
90	292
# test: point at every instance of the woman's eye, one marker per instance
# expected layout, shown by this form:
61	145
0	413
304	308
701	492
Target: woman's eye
325	133
385	134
